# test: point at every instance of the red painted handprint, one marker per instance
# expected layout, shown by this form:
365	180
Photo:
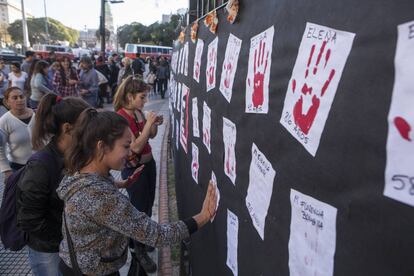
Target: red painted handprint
228	70
197	70
305	121
259	70
403	127
212	64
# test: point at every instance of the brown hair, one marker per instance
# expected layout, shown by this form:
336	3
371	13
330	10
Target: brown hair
92	127
131	85
7	94
51	114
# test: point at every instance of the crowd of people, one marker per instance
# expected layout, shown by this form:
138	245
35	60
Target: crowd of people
68	204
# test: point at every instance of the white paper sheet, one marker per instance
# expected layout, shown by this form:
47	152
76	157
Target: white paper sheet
399	172
177	133
179	98
180	64
232	241
318	69
259	193
228	72
211	64
312	236
258	74
197	60
229	139
214	180
206	126
194	110
184	117
186	59
194	163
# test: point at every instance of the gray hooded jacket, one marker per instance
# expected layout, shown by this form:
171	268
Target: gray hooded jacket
100	219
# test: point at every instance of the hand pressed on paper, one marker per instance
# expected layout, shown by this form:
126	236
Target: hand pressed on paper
259	71
211	69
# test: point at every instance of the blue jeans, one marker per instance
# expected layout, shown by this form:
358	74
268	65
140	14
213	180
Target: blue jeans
43	263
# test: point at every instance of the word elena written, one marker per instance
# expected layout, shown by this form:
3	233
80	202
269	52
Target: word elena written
321	34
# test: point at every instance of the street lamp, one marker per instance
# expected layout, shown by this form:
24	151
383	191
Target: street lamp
102	26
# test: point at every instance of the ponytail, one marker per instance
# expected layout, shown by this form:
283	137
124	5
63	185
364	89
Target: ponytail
92	127
51	114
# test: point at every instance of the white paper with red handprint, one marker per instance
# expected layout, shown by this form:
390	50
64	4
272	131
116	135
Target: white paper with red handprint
186	59
232	242
177	133
211	64
318	69
399	171
178	96
207	127
215	183
228	72
258	74
194	112
185	98
229	139
312	240
197	60
259	193
179	61
194	163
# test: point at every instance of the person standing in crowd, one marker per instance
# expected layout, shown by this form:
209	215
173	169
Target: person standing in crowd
39	83
138	66
113	75
103	76
66	79
16	126
98	219
4	80
55	67
125	71
89	82
162	77
51	57
17	77
39	209
30	55
129	102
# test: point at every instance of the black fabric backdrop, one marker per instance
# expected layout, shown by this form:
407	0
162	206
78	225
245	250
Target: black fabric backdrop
374	233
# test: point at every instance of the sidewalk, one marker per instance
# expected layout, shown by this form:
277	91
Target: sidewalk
15	263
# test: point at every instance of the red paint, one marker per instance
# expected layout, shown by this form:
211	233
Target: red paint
403	127
259	69
327	82
311	54
327	56
293	85
306	89
319	57
305	121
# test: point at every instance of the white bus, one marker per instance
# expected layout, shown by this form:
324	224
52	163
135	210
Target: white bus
147	50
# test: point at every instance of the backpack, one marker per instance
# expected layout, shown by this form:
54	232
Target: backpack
12	237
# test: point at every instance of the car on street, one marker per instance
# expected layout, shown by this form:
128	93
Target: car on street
9	56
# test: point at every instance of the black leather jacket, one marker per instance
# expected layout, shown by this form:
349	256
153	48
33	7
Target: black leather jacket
39	209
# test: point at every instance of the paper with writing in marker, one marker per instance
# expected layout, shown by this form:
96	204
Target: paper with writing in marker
185	98
321	59
207	127
186	59
312	238
229	138
180	64
228	72
258	74
194	112
232	241
194	163
214	180
197	60
259	193
211	64
399	171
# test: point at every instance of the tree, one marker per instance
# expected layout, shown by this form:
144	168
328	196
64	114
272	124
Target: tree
37	33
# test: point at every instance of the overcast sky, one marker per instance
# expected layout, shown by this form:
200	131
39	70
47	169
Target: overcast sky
78	13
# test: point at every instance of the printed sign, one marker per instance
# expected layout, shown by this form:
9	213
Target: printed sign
399	172
318	69
258	74
261	177
312	236
228	72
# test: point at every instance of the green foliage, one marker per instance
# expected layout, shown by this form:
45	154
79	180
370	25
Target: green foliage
156	33
37	32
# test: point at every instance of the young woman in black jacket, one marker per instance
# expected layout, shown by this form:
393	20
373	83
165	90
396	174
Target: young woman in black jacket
39	210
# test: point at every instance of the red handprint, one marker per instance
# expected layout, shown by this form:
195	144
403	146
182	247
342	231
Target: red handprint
228	70
259	70
305	121
212	64
403	127
197	70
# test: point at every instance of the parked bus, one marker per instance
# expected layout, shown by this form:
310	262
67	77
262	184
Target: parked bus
147	50
43	51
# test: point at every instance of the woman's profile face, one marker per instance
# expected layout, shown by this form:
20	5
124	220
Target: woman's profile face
138	100
116	157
